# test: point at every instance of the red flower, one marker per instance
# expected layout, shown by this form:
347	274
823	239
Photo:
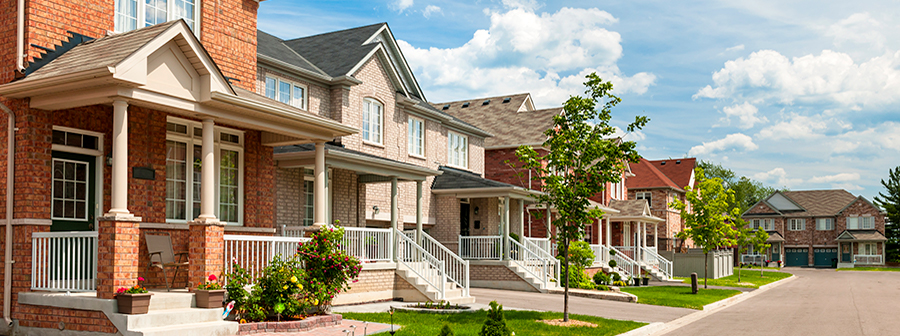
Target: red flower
140	278
212	277
120	290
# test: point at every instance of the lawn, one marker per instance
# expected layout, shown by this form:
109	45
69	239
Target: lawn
749	279
871	269
521	322
679	296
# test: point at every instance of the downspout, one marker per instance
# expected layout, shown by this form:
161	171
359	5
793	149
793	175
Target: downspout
20	39
7	254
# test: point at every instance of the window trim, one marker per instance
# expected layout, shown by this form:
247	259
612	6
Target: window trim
862	225
304	102
140	16
450	135
409	123
380	123
829	221
802	222
648	194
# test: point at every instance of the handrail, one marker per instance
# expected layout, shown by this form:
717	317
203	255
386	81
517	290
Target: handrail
545	254
531	262
64	261
654	260
426	266
541	243
624	262
480	247
457	268
254	253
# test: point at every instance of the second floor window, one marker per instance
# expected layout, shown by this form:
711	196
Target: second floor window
134	14
416	136
286	92
860	223
373	114
824	224
765	224
797	224
646	195
457	150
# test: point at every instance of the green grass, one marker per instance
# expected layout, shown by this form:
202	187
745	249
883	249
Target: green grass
523	323
749	279
871	269
679	296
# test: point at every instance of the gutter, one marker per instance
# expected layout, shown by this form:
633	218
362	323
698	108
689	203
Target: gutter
20	38
7	254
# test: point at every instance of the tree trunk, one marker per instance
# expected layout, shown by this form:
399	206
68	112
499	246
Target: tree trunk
705	268
740	267
566	279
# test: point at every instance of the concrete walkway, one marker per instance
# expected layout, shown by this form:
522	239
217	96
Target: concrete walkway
346	325
818	302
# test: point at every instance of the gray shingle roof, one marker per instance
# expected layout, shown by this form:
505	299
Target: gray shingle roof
338	148
509	126
629	208
453	178
337	52
819	202
274	47
861	235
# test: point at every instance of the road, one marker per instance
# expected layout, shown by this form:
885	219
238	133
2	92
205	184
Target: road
819	302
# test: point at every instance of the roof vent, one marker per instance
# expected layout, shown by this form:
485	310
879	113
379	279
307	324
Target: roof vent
446	106
506	100
486	102
678	162
465	105
663	163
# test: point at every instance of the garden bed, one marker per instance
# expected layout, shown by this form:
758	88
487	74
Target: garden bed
306	324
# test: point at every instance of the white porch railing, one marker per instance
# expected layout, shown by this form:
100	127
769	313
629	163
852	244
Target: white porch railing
480	247
866	259
755	259
424	265
64	261
544	269
254	253
541	243
624	263
457	268
627	250
657	262
368	244
293	231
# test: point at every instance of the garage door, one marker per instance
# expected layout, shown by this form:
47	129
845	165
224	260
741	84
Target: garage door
796	257
823	256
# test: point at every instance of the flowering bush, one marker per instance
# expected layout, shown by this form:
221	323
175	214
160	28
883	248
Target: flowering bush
278	292
137	289
328	269
210	283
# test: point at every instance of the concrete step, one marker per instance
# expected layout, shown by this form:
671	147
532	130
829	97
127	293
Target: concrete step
171	317
219	328
171	300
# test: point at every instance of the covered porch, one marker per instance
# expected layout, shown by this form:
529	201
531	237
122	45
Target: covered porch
860	248
774	254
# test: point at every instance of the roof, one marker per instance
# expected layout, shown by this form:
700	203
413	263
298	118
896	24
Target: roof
453	178
647	175
338	52
338	148
819	202
774	237
274	47
432	109
861	235
629	208
678	170
496	116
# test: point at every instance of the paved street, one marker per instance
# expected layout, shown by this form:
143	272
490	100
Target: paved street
820	302
579	305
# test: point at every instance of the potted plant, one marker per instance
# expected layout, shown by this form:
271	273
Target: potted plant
134	300
210	293
636	281
612	264
645	280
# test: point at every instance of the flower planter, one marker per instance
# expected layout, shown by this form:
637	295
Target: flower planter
209	298
646	281
133	303
637	282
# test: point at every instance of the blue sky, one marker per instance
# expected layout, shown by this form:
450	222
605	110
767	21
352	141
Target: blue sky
801	94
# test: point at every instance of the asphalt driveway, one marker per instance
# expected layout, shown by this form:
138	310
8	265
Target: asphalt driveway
819	302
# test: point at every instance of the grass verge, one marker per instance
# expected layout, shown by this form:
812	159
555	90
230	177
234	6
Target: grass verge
871	269
523	323
749	279
679	296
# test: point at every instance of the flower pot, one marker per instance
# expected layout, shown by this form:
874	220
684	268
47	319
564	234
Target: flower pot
646	281
637	281
133	303
209	298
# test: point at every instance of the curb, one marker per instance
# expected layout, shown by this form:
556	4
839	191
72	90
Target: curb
714	307
646	330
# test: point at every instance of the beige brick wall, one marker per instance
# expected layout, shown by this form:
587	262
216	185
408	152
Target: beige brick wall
289	202
344	200
318	97
492	273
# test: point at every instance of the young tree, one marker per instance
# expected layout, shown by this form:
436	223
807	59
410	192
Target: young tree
758	241
742	239
709	224
583	156
890	202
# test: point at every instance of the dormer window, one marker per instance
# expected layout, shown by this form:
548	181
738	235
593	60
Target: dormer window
134	14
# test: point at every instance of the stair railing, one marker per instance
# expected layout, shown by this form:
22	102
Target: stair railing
532	263
624	263
423	264
656	261
546	255
457	268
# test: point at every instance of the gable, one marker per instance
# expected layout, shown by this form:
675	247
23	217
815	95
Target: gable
782	203
168	71
396	59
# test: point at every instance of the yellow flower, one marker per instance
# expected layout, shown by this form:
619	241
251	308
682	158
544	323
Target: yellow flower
285	287
316	303
294	279
243	321
300	286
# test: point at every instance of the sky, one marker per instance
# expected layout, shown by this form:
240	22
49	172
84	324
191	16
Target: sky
797	94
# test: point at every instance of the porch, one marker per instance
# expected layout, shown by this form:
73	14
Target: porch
861	248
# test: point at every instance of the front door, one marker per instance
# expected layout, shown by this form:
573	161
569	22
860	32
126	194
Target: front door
845	252
463	219
73	192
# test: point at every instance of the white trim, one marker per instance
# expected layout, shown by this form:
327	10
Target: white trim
141	19
278	80
829	221
87	190
366	118
791	222
410	138
461	156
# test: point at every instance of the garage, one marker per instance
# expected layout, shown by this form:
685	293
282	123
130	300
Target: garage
822	256
797	257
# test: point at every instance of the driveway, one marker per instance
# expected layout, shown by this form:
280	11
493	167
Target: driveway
579	305
820	302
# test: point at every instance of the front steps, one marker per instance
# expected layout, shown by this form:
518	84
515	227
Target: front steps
452	293
538	284
174	314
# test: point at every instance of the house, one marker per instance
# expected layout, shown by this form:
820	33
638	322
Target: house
819	227
661	182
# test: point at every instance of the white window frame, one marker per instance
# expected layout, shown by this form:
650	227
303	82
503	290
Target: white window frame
853	222
294	101
647	195
797	224
87	191
191	140
768	224
367	134
865	246
824	224
866	223
309	207
140	17
755	223
412	140
457	155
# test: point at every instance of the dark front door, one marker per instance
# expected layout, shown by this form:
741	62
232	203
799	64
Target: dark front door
845	252
463	219
73	192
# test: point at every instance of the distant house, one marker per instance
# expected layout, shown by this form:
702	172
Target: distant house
812	227
660	182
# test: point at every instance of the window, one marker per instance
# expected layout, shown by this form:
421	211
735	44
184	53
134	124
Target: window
867	223
646	195
457	150
308	186
183	171
868	249
133	14
797	224
824	224
416	136
754	223
286	92
371	124
768	224
853	223
70	190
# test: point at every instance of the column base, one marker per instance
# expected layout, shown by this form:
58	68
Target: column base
118	253
119	217
206	221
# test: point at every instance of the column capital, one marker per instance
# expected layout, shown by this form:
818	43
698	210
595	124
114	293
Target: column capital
120	102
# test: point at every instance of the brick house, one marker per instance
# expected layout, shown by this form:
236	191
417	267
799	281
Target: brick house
812	227
661	182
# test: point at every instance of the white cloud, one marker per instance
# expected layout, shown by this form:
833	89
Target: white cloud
547	54
746	114
635	136
778	176
738	47
842	177
431	9
735	141
796	127
847	186
523	4
859	29
402	5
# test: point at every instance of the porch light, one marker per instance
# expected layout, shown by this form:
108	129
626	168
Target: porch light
375	208
476	210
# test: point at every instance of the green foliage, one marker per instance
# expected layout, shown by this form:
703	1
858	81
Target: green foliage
601	278
446	331
889	201
679	296
619	283
580	255
583	156
758	240
616	276
329	269
613	264
495	324
601	287
746	191
278	291
514	236
211	283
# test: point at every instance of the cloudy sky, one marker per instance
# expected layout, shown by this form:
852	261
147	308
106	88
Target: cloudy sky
804	95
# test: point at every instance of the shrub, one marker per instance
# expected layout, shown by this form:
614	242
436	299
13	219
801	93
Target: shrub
619	283
601	278
278	291
445	331
495	324
514	236
616	277
580	255
601	287
612	264
329	269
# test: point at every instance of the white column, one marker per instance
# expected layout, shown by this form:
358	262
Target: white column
208	174
549	221
608	234
504	228
522	218
656	236
320	199
394	214
329	211
119	206
419	238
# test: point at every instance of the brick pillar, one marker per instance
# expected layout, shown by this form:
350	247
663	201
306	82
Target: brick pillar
117	254
206	251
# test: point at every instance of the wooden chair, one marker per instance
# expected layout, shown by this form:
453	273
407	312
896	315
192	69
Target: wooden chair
162	255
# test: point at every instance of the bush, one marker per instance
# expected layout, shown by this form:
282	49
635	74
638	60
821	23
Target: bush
619	283
329	269
445	331
278	291
580	255
601	287
514	236
612	264
616	277
495	324
601	278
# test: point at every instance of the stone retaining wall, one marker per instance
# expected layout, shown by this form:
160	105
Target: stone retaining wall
307	324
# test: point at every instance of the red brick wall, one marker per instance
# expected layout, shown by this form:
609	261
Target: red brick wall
50	318
228	32
496	168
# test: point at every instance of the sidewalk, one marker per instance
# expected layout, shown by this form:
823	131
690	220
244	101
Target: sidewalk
345	329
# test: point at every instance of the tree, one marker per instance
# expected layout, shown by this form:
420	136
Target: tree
746	191
759	243
495	324
890	202
742	240
709	225
583	156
